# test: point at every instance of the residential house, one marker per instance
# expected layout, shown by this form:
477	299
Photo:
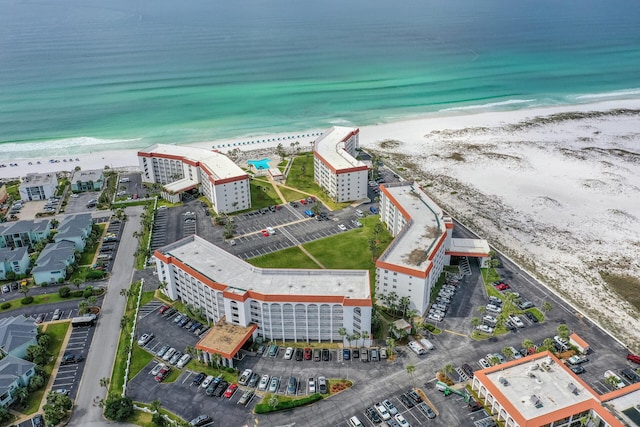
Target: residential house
14	373
13	260
76	229
24	233
89	180
16	334
38	186
51	265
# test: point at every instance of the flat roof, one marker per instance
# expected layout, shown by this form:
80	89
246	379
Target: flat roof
538	387
39	178
217	164
412	247
180	185
225	338
469	247
227	269
330	146
87	175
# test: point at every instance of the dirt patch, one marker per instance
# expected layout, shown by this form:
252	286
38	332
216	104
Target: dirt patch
388	144
628	287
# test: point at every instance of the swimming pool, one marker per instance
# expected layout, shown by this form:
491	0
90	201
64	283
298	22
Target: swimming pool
260	164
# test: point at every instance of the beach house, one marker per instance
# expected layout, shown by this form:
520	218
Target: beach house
16	334
38	186
24	233
75	228
335	167
89	180
14	373
179	169
14	261
51	265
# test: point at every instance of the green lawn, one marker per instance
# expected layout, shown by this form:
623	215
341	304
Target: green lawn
139	359
39	299
57	332
287	258
90	251
291	195
301	177
263	195
117	376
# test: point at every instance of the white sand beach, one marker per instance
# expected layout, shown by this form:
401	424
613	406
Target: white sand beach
561	195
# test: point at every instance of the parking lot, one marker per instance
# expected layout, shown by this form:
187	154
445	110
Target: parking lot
77	203
69	375
130	187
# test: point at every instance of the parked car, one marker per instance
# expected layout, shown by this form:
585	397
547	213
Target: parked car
414	396
526	304
264	382
407	401
200	420
230	391
169	354
56	314
145	338
322	385
162	351
346	354
221	389
164	373
156	369
312	385
38	421
197	380
207	381
390	406
288	353
372	414
427	410
245	377
485	329
246	397
292	385
307	353
71	358
183	361
326	355
273	385
531	317
298	354
382	411
577	370
400	419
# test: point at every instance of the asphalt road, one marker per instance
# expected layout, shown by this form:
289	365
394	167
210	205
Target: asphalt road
101	355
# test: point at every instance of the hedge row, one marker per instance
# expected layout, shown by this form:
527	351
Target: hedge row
263	408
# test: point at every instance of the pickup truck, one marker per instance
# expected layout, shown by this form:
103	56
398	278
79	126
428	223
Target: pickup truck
576	360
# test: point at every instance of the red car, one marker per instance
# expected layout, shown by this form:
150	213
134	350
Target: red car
503	287
265	233
307	353
303	201
163	309
633	358
230	390
164	373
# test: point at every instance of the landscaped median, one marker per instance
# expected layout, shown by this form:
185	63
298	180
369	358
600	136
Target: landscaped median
273	402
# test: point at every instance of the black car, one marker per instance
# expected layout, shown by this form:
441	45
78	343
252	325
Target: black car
197	380
68	359
298	354
372	414
413	395
531	317
221	388
355	353
407	401
577	370
253	381
325	354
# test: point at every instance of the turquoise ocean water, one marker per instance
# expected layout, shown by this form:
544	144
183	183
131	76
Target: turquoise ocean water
84	75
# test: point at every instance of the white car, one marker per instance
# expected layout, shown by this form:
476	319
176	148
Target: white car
312	385
169	354
264	382
145	338
490	319
157	369
183	361
517	321
245	377
483	362
342	227
493	308
384	414
436	317
271	230
289	353
390	407
400	419
207	381
484	328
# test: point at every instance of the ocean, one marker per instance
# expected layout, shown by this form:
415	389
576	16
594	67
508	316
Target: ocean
79	76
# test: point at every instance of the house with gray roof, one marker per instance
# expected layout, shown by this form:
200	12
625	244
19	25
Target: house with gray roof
51	265
76	229
16	334
13	260
89	180
14	373
24	233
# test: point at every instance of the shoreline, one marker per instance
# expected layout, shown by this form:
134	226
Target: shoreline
369	134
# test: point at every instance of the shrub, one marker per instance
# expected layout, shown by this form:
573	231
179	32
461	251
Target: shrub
5	305
94	275
64	292
118	409
87	292
77	294
263	408
35	383
26	300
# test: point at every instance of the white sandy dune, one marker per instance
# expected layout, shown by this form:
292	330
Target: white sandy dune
560	195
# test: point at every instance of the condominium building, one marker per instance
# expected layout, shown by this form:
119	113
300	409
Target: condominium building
24	233
413	262
180	169
38	186
335	167
539	390
285	304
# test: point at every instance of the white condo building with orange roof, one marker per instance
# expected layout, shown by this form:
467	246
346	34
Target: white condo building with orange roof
422	244
335	167
180	168
285	304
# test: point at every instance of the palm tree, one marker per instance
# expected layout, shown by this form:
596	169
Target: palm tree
273	401
508	353
410	314
391	345
155	405
104	382
404	305
482	309
527	344
448	368
124	321
22	394
411	369
475	322
356	337
493	360
548	344
392	298
563	331
546	306
77	282
365	336
82	306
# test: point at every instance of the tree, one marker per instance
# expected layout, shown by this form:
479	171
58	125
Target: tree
36	354
56	408
475	322
273	401
82	307
410	314
563	331
118	408
104	382
36	382
391	345
404	305
356	337
546	306
4	413
411	369
21	394
493	360
365	336
157	418
44	340
482	309
373	248
124	321
77	282
508	353
343	333
612	381
527	344
281	152
548	345
392	299
24	290
448	368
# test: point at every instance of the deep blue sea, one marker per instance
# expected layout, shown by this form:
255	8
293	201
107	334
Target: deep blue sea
86	75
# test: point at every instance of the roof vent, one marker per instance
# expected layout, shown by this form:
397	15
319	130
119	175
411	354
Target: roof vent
503	381
536	401
573	389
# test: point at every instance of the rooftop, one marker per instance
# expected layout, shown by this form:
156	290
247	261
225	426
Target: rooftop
412	247
472	247
24	226
54	256
217	165
225	338
330	146
73	226
16	331
10	255
39	179
538	386
225	268
94	175
12	367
